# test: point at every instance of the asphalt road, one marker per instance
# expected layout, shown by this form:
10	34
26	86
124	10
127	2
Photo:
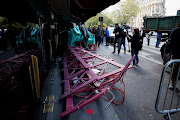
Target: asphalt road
141	88
142	83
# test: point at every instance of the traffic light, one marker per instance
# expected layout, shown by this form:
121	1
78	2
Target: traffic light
100	19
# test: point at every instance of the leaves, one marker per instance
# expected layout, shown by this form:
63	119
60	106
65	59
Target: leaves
124	11
95	20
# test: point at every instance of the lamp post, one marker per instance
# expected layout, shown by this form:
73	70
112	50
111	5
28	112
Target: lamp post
127	15
132	20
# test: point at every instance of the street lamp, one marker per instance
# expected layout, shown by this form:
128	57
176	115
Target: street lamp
132	20
127	14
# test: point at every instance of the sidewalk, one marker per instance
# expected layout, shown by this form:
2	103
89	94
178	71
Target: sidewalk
6	54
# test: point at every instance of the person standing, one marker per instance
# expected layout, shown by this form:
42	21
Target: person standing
89	29
107	36
99	35
86	36
148	38
104	35
123	42
118	37
4	39
135	46
94	30
173	47
159	35
143	34
0	39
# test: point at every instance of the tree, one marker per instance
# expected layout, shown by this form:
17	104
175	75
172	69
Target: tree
95	20
127	10
4	23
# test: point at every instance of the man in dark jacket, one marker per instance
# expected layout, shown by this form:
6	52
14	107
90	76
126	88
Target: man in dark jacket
99	35
89	28
118	37
86	36
173	47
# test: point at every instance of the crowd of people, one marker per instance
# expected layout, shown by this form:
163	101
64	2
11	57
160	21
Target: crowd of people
120	37
136	40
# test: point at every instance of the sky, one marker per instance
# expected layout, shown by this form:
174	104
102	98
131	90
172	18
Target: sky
171	7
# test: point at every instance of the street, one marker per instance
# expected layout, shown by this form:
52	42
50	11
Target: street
55	62
141	85
141	82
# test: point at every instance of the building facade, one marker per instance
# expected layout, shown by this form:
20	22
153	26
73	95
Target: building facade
148	8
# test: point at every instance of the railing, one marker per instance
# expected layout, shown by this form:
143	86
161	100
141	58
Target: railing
168	101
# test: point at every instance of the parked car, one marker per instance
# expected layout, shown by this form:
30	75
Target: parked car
111	34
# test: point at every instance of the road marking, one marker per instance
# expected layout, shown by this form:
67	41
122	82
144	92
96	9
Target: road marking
151	59
150	50
153	51
144	55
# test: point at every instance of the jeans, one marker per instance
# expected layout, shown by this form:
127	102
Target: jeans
117	40
107	40
103	39
157	43
123	43
136	59
98	41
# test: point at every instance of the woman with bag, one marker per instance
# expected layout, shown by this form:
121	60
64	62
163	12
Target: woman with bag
136	45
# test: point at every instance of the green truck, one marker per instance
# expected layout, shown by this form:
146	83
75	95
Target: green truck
164	25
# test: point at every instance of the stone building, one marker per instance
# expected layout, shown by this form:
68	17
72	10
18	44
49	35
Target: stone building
148	8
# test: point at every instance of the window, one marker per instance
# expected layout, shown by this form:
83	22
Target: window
157	8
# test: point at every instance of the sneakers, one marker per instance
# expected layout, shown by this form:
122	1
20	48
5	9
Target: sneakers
171	87
133	66
124	52
112	52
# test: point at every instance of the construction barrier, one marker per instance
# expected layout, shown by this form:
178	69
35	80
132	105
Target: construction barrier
168	101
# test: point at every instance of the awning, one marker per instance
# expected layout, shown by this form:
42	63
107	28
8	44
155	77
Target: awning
67	10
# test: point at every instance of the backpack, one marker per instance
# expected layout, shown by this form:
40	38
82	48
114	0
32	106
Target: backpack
139	44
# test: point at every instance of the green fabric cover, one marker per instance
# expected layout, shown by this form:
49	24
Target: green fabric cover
75	35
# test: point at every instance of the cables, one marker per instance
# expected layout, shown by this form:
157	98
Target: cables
117	102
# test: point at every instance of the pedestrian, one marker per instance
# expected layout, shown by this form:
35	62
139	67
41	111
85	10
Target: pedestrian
86	36
107	36
0	39
118	37
123	42
173	47
94	30
135	43
4	39
99	35
104	35
143	34
148	38
89	29
159	35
